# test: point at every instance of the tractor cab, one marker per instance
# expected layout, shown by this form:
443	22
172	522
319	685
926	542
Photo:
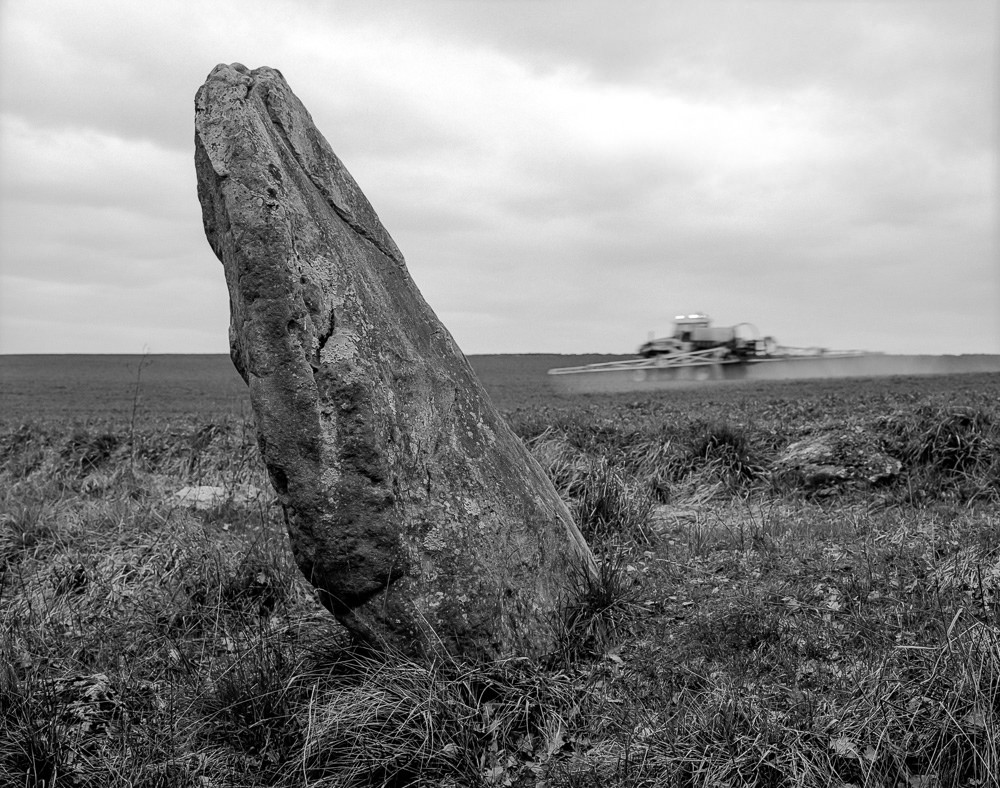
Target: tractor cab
685	326
694	333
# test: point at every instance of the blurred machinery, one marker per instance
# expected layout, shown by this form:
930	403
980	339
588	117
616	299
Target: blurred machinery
698	352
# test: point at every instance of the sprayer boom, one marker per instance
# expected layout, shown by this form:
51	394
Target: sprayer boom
699	352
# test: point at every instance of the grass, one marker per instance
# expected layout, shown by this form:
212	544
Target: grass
743	630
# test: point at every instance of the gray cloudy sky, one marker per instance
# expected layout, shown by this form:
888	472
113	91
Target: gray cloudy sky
561	176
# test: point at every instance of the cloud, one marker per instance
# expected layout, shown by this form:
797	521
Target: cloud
559	175
83	205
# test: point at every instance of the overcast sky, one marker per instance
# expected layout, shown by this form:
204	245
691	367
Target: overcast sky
560	176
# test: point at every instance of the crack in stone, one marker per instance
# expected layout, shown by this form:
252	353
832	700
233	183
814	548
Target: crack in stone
349	220
323	338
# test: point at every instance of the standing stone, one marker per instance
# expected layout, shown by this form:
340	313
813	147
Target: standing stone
411	506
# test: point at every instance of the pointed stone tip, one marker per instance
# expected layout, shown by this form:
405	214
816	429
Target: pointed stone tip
234	74
238	73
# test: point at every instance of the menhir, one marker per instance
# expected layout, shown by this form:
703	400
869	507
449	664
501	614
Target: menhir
411	506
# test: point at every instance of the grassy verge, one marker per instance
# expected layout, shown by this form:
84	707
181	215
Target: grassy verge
755	622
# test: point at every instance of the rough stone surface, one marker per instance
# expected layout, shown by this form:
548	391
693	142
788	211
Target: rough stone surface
832	459
411	506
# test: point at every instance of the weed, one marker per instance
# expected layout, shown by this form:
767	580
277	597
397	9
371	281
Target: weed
746	628
396	723
252	701
651	463
86	452
564	464
258	583
608	503
599	609
951	440
948	449
22	451
199	442
608	506
725	448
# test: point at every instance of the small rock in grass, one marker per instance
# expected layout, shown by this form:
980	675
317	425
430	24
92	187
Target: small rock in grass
836	458
204	497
